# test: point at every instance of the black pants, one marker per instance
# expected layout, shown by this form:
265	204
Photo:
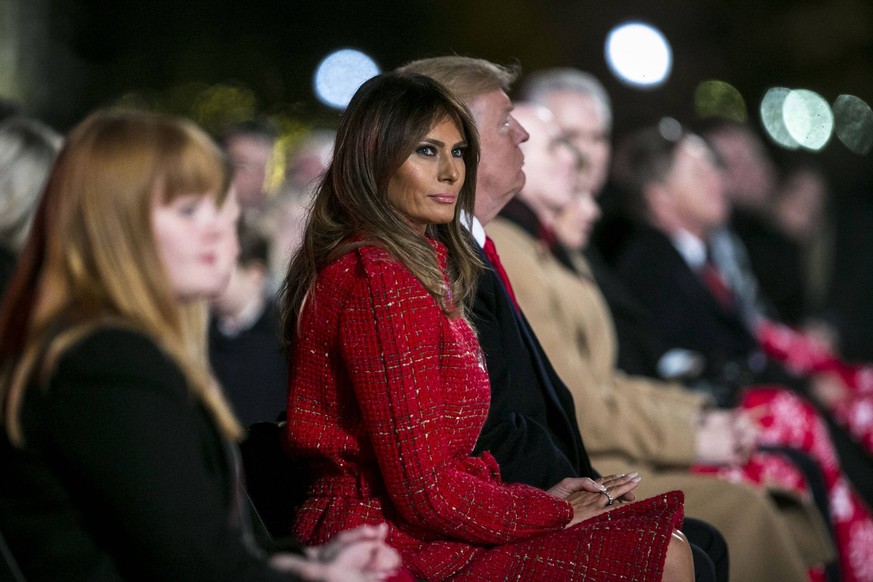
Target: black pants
709	550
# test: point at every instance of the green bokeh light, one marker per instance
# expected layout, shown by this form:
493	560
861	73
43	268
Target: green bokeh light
719	99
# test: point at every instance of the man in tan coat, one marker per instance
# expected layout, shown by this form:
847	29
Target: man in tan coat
633	423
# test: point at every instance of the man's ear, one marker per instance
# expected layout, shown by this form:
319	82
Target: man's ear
658	204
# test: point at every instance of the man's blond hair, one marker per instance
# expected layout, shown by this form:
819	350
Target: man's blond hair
466	77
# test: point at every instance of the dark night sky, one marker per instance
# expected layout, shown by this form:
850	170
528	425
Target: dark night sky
103	49
91	52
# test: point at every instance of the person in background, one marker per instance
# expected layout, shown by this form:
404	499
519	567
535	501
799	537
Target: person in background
309	158
771	258
801	209
116	453
27	151
244	347
678	195
763	267
282	223
583	110
285	215
632	422
761	254
250	145
389	390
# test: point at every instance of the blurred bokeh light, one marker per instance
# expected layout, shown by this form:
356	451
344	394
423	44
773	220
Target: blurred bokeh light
853	123
340	74
773	118
797	118
639	55
670	129
221	105
719	99
808	118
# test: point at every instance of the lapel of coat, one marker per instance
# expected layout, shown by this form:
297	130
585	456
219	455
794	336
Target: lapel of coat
548	378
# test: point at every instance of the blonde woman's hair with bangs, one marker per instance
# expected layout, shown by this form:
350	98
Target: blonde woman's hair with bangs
92	260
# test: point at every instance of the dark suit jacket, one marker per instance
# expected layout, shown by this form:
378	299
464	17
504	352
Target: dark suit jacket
683	308
688	316
531	428
123	475
252	368
640	347
776	263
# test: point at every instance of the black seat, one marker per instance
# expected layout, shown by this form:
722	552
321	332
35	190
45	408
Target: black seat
275	483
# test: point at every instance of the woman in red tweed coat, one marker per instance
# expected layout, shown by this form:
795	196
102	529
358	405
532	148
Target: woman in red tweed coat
389	389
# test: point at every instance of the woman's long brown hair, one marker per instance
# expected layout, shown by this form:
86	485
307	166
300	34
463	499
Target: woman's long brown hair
381	127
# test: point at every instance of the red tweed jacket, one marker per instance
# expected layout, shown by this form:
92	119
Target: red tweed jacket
387	398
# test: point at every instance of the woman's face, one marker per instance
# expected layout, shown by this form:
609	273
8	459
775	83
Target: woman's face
197	243
425	188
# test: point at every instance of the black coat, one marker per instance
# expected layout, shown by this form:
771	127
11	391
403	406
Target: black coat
640	346
531	428
123	475
689	316
252	368
683	308
776	262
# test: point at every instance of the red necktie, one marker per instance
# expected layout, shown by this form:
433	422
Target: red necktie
491	253
716	284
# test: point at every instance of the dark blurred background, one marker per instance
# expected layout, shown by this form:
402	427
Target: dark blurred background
65	57
219	60
75	54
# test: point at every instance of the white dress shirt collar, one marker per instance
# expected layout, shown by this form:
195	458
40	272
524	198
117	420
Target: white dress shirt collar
476	229
692	249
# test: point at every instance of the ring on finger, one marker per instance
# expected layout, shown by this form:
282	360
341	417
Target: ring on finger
608	497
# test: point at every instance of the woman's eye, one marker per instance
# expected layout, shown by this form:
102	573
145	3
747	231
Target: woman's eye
188	209
458	153
426	150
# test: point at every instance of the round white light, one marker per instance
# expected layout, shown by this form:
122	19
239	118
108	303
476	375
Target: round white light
772	107
853	123
808	118
340	74
639	55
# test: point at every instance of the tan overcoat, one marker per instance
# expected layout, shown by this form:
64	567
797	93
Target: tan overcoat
638	424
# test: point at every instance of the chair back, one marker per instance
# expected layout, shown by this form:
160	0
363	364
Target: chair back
276	484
